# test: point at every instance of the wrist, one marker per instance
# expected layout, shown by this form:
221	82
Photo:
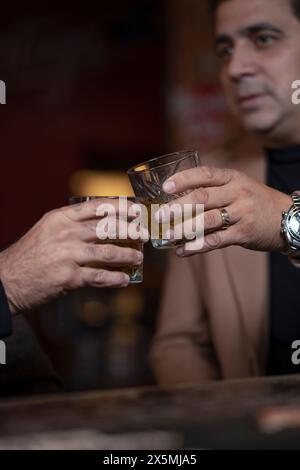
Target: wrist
290	228
282	205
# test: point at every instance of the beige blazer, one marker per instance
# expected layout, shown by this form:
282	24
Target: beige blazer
213	320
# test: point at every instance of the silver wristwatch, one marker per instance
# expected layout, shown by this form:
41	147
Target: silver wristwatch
290	227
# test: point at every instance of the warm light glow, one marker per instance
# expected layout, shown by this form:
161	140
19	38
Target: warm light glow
100	183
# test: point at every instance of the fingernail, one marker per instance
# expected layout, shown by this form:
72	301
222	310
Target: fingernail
180	251
169	186
140	257
126	282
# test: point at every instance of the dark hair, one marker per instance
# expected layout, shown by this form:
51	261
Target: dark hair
295	4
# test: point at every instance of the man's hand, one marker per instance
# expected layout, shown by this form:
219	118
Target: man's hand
52	258
254	208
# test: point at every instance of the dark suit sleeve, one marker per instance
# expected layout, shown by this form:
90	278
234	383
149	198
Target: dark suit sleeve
5	315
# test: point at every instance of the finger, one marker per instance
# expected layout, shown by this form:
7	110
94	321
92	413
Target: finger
213	220
213	241
209	221
110	228
102	278
189	229
97	208
211	198
197	177
110	254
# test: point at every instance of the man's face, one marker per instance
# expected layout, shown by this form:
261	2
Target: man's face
258	44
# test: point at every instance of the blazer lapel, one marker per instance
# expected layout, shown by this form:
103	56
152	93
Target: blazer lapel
249	274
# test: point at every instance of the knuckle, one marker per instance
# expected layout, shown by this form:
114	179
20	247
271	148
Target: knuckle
47	215
51	216
55	222
229	174
184	178
245	192
108	253
209	172
236	174
68	278
91	227
46	221
63	253
239	238
119	279
211	220
201	195
101	276
91	251
78	280
246	229
92	279
214	240
64	234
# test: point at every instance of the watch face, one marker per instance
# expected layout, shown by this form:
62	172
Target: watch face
294	224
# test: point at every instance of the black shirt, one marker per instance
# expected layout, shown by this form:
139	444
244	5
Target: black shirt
5	315
284	285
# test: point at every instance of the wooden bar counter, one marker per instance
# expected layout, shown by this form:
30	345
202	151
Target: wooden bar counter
259	413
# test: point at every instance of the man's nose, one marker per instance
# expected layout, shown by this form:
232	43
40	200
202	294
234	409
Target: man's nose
242	63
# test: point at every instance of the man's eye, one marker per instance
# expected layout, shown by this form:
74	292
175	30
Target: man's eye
264	40
224	52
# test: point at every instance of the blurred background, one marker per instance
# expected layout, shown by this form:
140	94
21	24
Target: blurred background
92	90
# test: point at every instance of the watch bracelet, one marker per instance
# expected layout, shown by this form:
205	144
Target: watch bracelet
293	253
